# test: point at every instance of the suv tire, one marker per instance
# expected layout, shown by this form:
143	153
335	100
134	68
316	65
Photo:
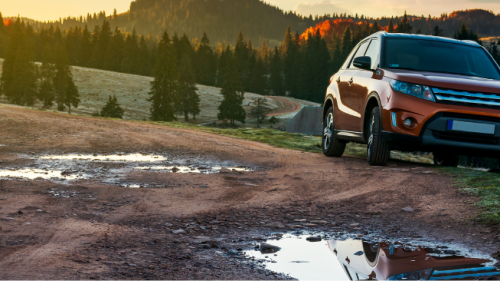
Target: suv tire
332	146
445	160
378	150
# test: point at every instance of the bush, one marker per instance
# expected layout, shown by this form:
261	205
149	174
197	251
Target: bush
112	109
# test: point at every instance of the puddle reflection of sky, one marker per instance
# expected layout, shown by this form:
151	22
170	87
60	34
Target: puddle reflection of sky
303	260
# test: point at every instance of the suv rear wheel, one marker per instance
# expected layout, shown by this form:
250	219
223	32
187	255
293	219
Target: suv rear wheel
378	150
332	146
445	160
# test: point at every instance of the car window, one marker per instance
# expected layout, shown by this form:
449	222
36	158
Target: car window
441	57
360	52
349	58
374	52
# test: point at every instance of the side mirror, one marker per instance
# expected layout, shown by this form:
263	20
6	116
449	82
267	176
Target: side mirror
363	63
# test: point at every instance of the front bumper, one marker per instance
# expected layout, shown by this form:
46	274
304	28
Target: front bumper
435	136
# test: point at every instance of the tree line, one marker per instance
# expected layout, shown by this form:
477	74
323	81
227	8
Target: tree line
300	67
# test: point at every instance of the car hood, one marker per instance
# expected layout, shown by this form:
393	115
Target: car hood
445	81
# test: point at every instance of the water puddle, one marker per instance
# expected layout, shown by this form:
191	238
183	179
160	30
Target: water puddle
108	158
194	169
307	257
115	169
33	174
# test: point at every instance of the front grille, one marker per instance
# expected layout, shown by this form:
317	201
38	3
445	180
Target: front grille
464	137
471	273
463	97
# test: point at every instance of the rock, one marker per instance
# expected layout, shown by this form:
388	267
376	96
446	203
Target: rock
39	210
250	184
203	186
354	224
268	248
263	174
408	209
314	239
179	231
9	218
300	220
225	171
275	224
319	222
310	224
175	170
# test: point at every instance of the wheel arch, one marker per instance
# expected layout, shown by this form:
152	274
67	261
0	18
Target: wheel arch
372	101
327	105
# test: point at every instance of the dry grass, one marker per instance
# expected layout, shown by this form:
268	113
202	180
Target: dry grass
96	86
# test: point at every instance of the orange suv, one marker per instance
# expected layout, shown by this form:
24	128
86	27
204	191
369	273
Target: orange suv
415	93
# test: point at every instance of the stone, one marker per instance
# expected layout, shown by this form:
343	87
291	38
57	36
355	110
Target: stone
268	248
275	224
319	222
203	186
300	220
408	209
354	224
179	231
225	171
314	239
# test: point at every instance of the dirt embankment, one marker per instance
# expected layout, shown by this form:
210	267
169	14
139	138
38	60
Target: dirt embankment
191	226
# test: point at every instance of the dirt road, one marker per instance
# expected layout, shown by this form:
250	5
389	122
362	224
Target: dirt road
288	106
192	226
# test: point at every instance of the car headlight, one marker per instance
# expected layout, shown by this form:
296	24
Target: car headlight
416	275
419	91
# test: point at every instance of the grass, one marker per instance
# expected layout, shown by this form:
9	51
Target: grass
485	185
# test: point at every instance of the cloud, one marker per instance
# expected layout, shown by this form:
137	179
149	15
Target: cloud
319	8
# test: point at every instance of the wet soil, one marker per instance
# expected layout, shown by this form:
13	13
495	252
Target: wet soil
194	226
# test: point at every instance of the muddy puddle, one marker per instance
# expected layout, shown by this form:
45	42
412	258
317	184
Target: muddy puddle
346	257
113	169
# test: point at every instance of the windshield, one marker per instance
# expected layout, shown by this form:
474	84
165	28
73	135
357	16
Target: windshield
435	56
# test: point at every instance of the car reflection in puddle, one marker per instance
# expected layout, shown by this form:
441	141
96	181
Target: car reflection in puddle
393	261
353	259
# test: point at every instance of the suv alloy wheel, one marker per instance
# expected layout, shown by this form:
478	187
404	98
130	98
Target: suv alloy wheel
445	160
378	151
332	146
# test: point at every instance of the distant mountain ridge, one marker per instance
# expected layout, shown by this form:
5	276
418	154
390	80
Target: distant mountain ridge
222	20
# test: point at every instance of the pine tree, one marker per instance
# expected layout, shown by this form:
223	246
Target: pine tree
347	44
258	81
242	56
3	37
222	65
404	26
231	107
143	58
419	31
289	54
437	31
46	91
65	89
205	64
259	110
390	29
189	101
103	39
18	81
163	94
114	52
276	78
85	50
112	109
129	61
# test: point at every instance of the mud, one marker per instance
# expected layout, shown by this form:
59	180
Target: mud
198	226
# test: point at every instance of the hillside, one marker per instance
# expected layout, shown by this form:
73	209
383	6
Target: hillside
95	86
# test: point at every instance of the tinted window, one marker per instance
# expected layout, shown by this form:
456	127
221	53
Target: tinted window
435	56
374	52
361	51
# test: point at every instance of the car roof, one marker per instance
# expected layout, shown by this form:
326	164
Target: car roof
425	37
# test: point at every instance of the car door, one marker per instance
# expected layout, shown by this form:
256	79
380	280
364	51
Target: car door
349	113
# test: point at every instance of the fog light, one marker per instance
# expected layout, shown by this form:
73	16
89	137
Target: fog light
408	122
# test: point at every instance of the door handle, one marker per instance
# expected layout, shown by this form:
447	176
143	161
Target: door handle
350	82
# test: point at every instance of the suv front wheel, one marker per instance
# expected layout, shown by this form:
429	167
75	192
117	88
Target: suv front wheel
332	146
378	150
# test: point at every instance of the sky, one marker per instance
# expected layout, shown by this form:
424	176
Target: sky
53	9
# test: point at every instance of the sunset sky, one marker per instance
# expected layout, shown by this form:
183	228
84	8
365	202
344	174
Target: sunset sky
53	9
